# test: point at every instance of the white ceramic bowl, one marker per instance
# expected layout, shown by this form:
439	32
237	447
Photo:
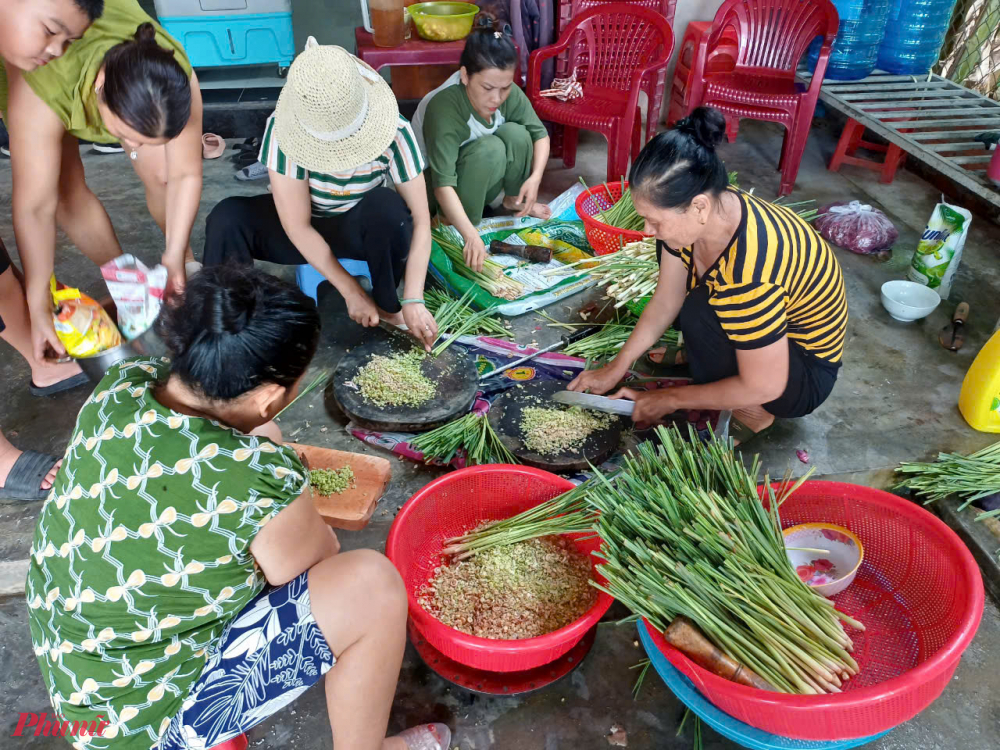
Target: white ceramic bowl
907	301
830	571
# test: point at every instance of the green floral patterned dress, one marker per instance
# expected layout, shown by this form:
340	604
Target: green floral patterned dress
142	554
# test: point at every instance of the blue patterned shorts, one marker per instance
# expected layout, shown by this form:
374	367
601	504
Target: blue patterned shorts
270	654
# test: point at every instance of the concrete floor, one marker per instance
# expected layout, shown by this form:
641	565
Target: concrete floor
895	400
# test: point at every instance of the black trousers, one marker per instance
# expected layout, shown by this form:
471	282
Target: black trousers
4	265
377	231
712	357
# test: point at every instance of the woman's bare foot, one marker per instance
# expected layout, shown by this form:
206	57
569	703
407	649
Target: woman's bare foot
754	418
9	456
538	211
43	377
395	319
423	737
656	355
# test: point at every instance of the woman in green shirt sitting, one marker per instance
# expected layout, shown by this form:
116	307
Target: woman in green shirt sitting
182	587
482	139
125	80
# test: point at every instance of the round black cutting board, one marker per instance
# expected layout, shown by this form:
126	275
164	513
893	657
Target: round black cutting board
453	371
505	416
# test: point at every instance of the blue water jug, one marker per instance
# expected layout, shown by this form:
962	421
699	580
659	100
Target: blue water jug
862	25
914	35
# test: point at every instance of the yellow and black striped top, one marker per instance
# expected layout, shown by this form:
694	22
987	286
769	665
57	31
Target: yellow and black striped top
778	277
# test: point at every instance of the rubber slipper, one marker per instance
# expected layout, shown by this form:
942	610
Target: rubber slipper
666	367
427	737
63	385
742	435
24	482
212	146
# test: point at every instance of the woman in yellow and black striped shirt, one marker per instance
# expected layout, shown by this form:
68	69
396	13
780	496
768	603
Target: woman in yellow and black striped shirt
757	294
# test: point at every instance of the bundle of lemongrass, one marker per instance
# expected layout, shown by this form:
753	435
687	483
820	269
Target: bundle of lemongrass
969	477
605	344
683	532
632	272
491	278
472	434
458	314
455	317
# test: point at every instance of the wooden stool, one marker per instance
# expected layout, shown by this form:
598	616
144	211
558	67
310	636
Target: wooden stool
852	139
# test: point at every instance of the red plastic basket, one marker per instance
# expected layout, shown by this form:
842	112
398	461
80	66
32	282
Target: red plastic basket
919	594
453	504
603	238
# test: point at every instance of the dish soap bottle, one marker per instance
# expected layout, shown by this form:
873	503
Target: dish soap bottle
979	399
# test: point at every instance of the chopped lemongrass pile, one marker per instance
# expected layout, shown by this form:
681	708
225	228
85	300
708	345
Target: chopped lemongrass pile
472	433
395	379
550	431
971	477
520	590
328	482
491	278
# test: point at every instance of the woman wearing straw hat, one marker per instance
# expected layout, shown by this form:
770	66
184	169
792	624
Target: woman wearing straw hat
333	143
125	80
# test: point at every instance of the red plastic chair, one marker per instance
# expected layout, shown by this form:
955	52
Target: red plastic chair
627	48
575	58
721	59
772	36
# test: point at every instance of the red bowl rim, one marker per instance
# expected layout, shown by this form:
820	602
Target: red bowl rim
421	617
920	674
586	218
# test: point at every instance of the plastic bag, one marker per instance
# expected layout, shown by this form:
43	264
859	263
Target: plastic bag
935	261
81	324
857	227
137	292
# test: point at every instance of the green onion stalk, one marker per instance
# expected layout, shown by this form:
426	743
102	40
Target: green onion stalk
969	477
491	278
472	434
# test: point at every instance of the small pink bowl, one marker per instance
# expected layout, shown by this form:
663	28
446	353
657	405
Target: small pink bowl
830	571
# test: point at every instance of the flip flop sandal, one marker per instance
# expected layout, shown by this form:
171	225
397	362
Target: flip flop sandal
743	435
666	367
212	146
24	482
250	143
244	158
63	385
427	737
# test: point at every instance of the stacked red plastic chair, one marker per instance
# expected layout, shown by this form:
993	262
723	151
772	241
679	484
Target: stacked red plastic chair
771	37
627	46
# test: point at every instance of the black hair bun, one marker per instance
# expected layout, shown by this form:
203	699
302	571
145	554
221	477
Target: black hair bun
706	125
145	33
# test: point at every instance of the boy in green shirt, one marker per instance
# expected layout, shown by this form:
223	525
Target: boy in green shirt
482	139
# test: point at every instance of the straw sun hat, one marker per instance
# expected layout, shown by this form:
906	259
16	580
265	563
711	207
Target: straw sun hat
335	112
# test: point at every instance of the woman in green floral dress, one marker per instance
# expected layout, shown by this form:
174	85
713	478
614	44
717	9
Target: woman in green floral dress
182	586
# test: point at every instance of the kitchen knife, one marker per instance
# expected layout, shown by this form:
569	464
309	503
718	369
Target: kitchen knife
622	407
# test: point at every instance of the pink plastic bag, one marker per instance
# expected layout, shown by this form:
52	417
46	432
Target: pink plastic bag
857	227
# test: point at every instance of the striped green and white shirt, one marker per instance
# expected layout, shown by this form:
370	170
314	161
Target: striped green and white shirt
341	191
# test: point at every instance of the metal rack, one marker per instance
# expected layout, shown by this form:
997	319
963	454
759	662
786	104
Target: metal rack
931	118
